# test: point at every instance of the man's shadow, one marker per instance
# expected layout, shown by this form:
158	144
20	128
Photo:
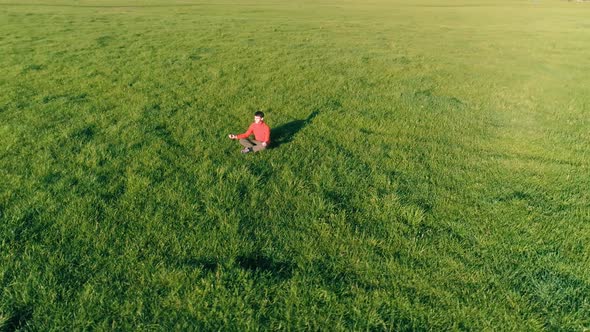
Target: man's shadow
286	132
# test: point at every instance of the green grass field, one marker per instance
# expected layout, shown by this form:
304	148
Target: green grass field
430	167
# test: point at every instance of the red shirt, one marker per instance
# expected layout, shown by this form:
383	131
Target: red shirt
261	132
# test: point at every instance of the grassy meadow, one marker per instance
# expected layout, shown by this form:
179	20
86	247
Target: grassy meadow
429	168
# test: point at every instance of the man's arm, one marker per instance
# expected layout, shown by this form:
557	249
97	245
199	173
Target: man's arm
246	134
266	136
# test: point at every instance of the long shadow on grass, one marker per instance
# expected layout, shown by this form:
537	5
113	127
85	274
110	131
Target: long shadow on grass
254	262
18	319
286	132
259	263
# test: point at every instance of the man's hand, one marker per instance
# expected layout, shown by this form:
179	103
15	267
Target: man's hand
264	144
232	136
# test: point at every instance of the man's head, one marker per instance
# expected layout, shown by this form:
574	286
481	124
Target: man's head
258	117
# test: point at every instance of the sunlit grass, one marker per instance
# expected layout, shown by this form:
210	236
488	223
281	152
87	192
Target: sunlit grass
429	168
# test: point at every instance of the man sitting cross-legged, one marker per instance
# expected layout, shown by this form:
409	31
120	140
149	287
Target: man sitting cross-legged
261	133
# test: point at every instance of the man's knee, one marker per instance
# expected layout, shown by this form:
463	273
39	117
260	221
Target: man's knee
245	142
259	147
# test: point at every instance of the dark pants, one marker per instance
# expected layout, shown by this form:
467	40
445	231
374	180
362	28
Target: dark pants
252	143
